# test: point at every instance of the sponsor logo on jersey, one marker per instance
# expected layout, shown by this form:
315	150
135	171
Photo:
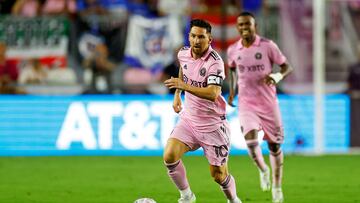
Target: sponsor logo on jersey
253	68
258	55
194	82
241	68
202	71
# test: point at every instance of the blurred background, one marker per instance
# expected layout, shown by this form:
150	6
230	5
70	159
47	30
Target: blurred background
84	77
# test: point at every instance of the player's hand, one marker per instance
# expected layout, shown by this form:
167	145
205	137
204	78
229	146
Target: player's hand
177	104
231	99
268	81
175	83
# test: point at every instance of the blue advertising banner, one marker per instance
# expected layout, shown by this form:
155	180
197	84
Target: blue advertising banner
141	124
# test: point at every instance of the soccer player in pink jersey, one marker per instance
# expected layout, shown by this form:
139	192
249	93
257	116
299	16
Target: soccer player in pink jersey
251	58
202	122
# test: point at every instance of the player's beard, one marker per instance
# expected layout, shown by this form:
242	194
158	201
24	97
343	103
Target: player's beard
199	50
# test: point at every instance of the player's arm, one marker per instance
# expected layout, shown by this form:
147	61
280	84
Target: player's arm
232	92
177	96
274	78
180	76
286	69
211	92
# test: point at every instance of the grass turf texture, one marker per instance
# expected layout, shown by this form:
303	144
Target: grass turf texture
307	179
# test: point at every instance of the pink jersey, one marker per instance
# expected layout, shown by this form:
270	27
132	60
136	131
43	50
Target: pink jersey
252	65
204	115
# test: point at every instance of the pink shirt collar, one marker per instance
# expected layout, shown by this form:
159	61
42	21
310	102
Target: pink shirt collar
256	42
204	57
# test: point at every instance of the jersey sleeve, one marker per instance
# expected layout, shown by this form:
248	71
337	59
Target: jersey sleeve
275	55
217	68
216	74
181	54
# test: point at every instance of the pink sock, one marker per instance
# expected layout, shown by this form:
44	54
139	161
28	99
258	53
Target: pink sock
256	154
177	173
228	186
276	161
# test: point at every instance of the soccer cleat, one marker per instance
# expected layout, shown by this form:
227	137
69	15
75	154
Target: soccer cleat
277	195
191	199
265	179
237	200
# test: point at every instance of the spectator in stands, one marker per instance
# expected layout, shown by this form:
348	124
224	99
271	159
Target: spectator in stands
354	75
7	69
58	74
26	8
181	10
171	70
90	14
59	7
354	92
105	19
33	73
102	69
8	73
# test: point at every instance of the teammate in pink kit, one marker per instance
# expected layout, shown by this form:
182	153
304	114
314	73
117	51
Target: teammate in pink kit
202	122
251	59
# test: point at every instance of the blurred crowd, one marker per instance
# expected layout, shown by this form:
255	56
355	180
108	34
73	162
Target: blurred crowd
112	46
130	46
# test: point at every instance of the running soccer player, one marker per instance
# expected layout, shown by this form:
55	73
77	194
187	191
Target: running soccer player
202	122
251	58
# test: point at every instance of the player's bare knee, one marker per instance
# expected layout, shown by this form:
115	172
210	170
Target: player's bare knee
274	147
219	176
170	157
251	135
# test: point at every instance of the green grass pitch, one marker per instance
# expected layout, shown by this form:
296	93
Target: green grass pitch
307	179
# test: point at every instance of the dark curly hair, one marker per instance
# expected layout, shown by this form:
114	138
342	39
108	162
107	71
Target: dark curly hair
201	23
